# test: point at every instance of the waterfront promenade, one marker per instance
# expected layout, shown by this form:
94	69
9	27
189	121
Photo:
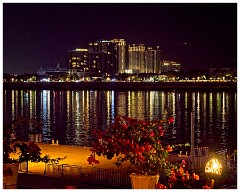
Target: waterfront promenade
76	155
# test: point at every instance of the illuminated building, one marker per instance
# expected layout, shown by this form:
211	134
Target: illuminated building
170	66
152	60
121	54
78	61
54	74
103	59
136	56
227	73
143	60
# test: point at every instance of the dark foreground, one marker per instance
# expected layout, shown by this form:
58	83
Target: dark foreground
36	181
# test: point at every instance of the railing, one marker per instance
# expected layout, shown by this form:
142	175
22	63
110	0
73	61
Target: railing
110	175
23	167
54	169
72	171
99	175
201	155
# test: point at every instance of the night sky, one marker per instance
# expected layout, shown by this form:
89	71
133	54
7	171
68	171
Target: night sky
196	35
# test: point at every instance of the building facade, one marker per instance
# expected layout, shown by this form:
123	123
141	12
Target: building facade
120	45
78	61
223	73
152	60
167	66
136	58
109	58
103	58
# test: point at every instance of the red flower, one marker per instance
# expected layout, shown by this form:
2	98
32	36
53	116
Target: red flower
169	148
142	149
147	147
181	170
141	158
132	146
145	123
195	176
184	162
127	142
160	186
124	126
171	119
206	187
172	179
151	134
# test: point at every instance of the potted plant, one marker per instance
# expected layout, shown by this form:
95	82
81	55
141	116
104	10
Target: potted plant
139	142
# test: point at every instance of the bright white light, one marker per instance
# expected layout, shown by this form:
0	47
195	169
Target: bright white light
45	80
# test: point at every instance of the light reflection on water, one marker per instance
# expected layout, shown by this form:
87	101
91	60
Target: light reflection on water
70	116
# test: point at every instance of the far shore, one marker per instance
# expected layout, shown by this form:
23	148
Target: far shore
121	86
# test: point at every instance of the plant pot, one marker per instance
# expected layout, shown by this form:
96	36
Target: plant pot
10	173
144	181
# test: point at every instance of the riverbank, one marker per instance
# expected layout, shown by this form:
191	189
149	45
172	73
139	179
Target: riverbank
120	86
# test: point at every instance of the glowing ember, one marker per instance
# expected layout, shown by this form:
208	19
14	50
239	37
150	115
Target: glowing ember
213	166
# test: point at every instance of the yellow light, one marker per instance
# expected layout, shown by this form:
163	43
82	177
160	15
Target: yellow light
213	166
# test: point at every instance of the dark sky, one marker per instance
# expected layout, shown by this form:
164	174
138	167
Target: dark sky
197	35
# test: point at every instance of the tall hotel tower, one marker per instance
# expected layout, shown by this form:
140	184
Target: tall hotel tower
142	60
120	44
103	58
107	57
136	54
78	61
152	60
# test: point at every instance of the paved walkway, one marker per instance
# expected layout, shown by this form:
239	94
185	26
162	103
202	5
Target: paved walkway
76	155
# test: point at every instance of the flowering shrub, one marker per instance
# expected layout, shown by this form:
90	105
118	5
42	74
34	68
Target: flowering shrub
9	138
140	142
7	144
29	152
181	180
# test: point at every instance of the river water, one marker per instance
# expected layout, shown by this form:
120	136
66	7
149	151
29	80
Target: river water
70	116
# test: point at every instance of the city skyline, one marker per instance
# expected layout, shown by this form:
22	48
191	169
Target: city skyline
196	35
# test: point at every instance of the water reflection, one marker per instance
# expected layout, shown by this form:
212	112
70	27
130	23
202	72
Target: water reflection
70	116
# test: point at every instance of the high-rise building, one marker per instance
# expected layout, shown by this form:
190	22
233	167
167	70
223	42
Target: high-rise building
136	58
103	58
143	60
78	61
170	66
157	68
121	54
150	60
